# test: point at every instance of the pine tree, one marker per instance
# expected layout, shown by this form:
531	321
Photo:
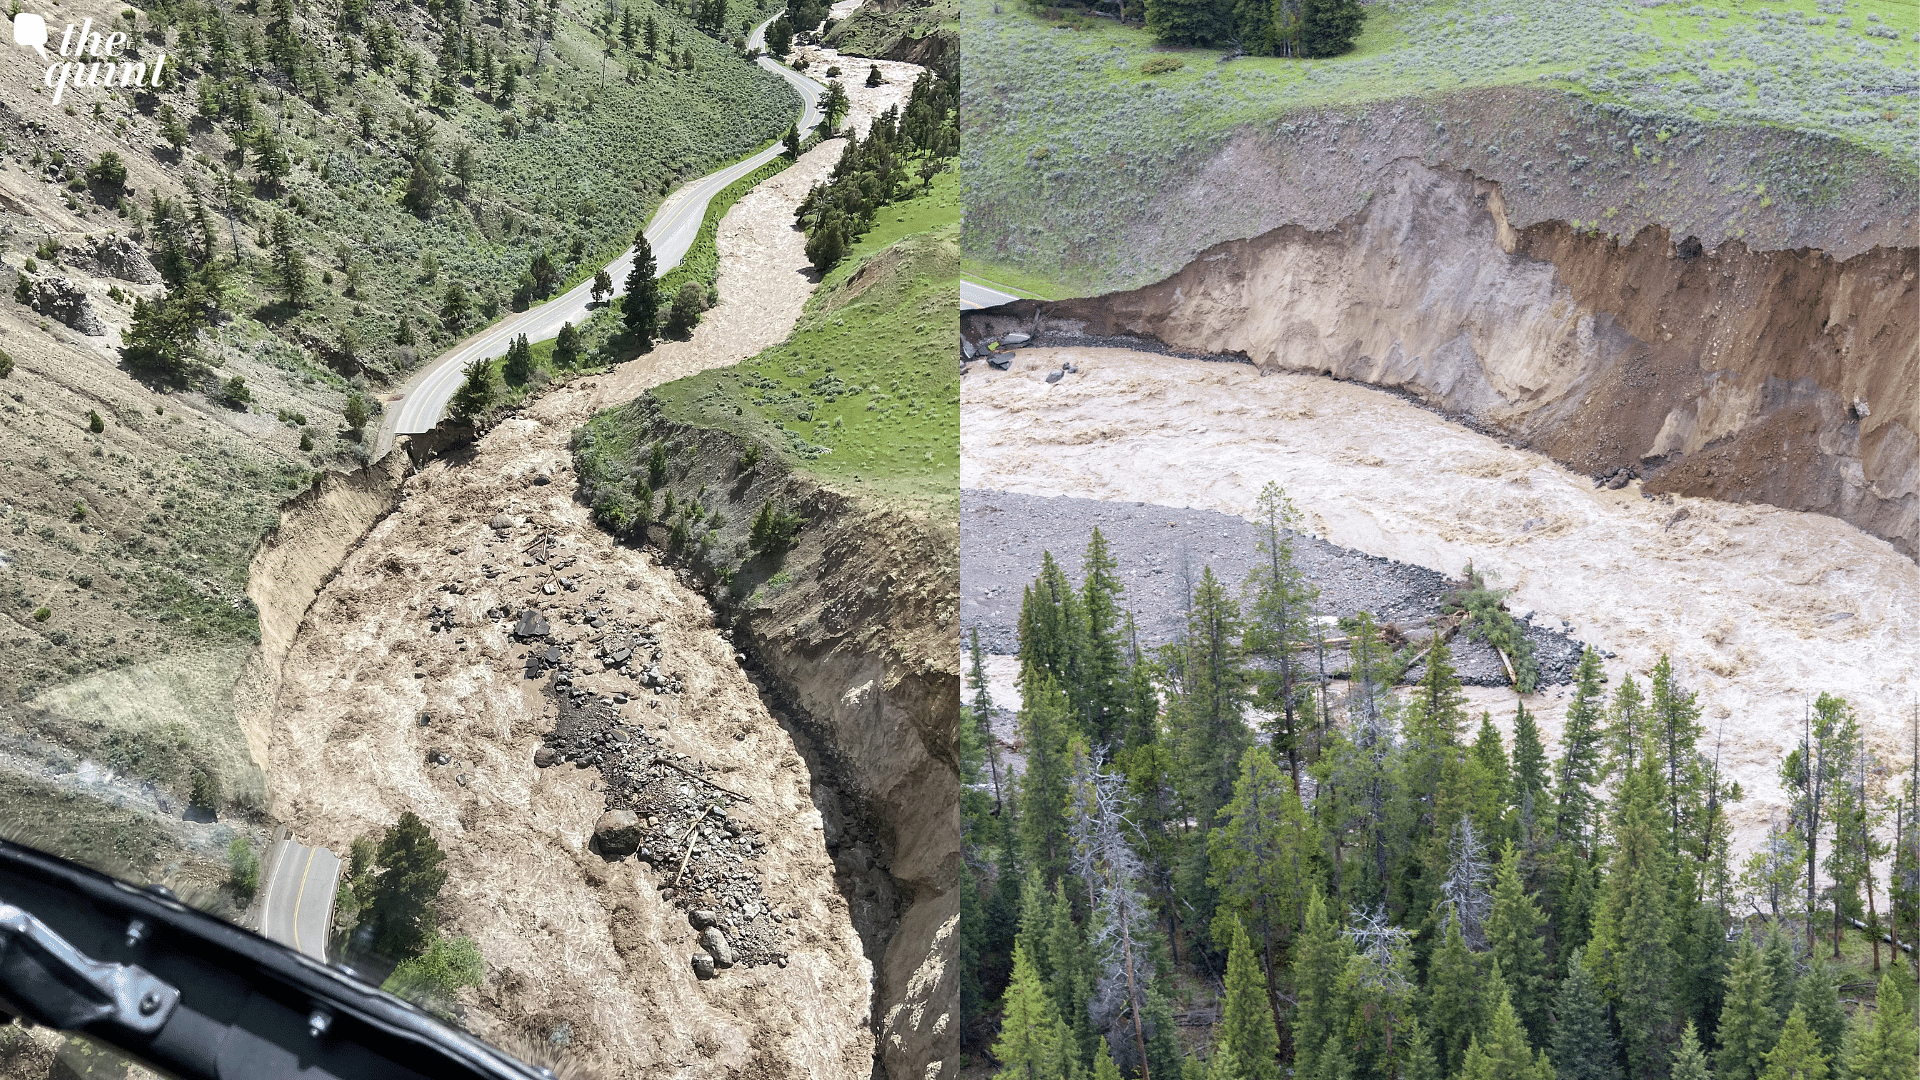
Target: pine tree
1455	1005
1884	1044
410	880
1163	1046
1262	858
289	266
1579	765
1782	969
1329	27
1529	762
1069	978
1247	1028
1319	1014
1583	1045
1818	997
477	394
1748	1024
1630	952
1281	622
1031	1033
1514	933
1103	703
1501	1052
640	310
1675	719
1797	1055
1047	732
518	367
1215	735
1419	1063
1103	1066
792	143
1053	632
1188	22
1491	753
1689	1061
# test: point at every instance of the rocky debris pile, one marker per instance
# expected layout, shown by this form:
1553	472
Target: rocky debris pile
113	255
58	298
693	832
1618	478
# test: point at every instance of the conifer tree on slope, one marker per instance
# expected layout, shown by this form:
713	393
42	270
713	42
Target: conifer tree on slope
1247	1028
1630	953
640	306
1529	766
1214	735
1583	1044
1455	1006
1579	766
1748	1024
1262	856
1282	609
1514	933
1047	730
1818	996
1034	1043
1689	1061
1053	631
1885	1044
1797	1055
1103	700
1319	960
1070	980
1783	969
1501	1051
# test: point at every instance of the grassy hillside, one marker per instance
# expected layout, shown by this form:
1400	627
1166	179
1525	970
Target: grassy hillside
864	393
385	138
1062	103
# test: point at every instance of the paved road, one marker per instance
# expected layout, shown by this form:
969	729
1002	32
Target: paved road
298	906
423	399
974	296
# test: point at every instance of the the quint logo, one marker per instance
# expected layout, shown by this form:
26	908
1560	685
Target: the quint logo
30	32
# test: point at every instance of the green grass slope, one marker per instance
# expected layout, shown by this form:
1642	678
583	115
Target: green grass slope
1070	133
865	391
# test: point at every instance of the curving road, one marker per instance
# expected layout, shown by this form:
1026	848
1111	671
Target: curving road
422	400
297	908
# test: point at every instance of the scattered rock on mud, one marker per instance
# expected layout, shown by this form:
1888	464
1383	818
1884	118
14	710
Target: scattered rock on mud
1159	547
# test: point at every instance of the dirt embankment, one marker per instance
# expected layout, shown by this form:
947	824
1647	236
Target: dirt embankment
1748	376
851	630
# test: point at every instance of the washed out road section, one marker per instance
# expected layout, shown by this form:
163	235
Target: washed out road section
422	401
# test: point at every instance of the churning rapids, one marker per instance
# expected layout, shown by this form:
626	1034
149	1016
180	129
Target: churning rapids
1761	609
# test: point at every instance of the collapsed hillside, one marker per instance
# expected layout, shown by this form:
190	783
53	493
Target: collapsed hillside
388	145
1790	378
924	32
1099	162
850	622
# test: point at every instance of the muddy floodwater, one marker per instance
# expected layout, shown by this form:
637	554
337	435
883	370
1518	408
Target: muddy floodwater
1761	609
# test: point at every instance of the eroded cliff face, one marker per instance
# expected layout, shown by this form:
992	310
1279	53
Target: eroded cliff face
850	630
1784	377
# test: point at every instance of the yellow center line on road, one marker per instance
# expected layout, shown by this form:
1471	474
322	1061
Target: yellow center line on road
301	895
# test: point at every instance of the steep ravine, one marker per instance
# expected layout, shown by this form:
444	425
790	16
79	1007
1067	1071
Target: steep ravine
849	632
1784	377
374	712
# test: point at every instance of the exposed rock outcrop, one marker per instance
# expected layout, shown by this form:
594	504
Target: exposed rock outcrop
1785	377
114	255
60	299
